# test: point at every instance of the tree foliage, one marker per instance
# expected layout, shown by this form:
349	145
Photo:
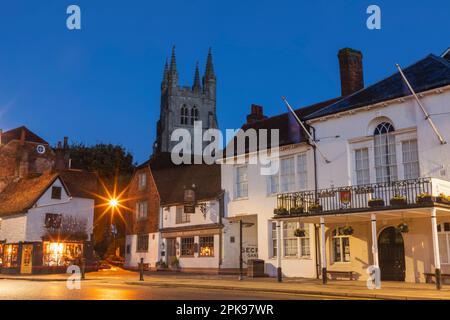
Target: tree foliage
108	160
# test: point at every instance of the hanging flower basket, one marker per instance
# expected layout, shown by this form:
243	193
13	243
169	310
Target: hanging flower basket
398	201
403	228
280	212
299	233
347	230
296	210
376	202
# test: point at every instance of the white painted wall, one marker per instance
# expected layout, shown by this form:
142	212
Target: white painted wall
133	258
356	130
212	216
30	226
12	228
259	205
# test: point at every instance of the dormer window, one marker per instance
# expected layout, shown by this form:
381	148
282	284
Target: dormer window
56	193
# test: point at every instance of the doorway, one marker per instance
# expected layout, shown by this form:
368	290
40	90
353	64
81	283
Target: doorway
171	250
391	253
26	266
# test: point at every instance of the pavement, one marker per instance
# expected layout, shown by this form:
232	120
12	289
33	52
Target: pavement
336	288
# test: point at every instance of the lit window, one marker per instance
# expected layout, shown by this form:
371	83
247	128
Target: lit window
59	254
362	166
206	245
341	246
410	159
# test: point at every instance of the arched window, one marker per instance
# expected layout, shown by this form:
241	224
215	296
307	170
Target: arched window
194	114
384	150
184	114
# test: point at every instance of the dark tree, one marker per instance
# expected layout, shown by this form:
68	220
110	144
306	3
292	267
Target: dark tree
114	166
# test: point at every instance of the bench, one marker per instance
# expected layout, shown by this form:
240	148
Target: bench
351	275
429	277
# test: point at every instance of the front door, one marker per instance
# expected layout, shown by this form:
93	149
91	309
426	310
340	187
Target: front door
26	266
171	250
391	254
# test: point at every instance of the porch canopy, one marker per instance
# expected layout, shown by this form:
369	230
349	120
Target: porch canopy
435	212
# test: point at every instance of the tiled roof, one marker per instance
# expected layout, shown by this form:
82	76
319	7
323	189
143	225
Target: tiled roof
172	179
426	74
280	122
81	184
20	196
15	134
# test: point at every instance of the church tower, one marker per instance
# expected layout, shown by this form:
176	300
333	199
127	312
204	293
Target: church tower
182	105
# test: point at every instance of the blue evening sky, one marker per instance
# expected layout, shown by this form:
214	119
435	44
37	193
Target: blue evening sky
101	84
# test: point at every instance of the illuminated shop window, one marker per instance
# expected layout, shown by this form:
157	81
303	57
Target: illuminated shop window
187	246
61	253
10	255
206	246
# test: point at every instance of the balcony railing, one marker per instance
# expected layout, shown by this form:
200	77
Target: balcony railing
404	193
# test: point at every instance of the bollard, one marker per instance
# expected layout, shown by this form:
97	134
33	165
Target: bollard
83	268
141	270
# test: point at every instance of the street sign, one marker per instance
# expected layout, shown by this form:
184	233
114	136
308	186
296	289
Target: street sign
189	201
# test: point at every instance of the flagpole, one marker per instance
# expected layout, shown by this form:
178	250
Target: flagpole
304	128
427	116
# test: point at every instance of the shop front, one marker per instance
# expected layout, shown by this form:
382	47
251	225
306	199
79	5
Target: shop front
44	257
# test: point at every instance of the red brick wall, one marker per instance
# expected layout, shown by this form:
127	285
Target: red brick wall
150	194
20	160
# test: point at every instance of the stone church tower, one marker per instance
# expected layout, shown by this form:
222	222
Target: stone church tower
182	105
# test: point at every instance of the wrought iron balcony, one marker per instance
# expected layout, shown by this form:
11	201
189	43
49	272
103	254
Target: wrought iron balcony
378	196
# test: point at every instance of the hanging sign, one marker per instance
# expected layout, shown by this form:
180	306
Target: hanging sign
189	201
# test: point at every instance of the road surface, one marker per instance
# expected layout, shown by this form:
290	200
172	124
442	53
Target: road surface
101	290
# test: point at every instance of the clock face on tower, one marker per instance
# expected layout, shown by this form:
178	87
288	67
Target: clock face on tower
40	149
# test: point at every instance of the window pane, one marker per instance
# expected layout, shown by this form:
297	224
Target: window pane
290	240
443	247
206	246
337	249
410	159
301	171
287	174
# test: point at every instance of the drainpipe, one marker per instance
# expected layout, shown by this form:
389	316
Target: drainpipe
313	145
221	199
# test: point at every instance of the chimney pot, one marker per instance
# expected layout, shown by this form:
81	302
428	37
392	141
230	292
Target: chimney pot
351	71
22	137
256	113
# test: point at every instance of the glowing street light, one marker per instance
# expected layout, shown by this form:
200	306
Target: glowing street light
113	202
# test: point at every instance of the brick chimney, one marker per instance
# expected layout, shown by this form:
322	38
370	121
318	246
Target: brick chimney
62	157
351	70
256	114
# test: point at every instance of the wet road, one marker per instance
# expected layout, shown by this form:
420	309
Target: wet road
97	290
